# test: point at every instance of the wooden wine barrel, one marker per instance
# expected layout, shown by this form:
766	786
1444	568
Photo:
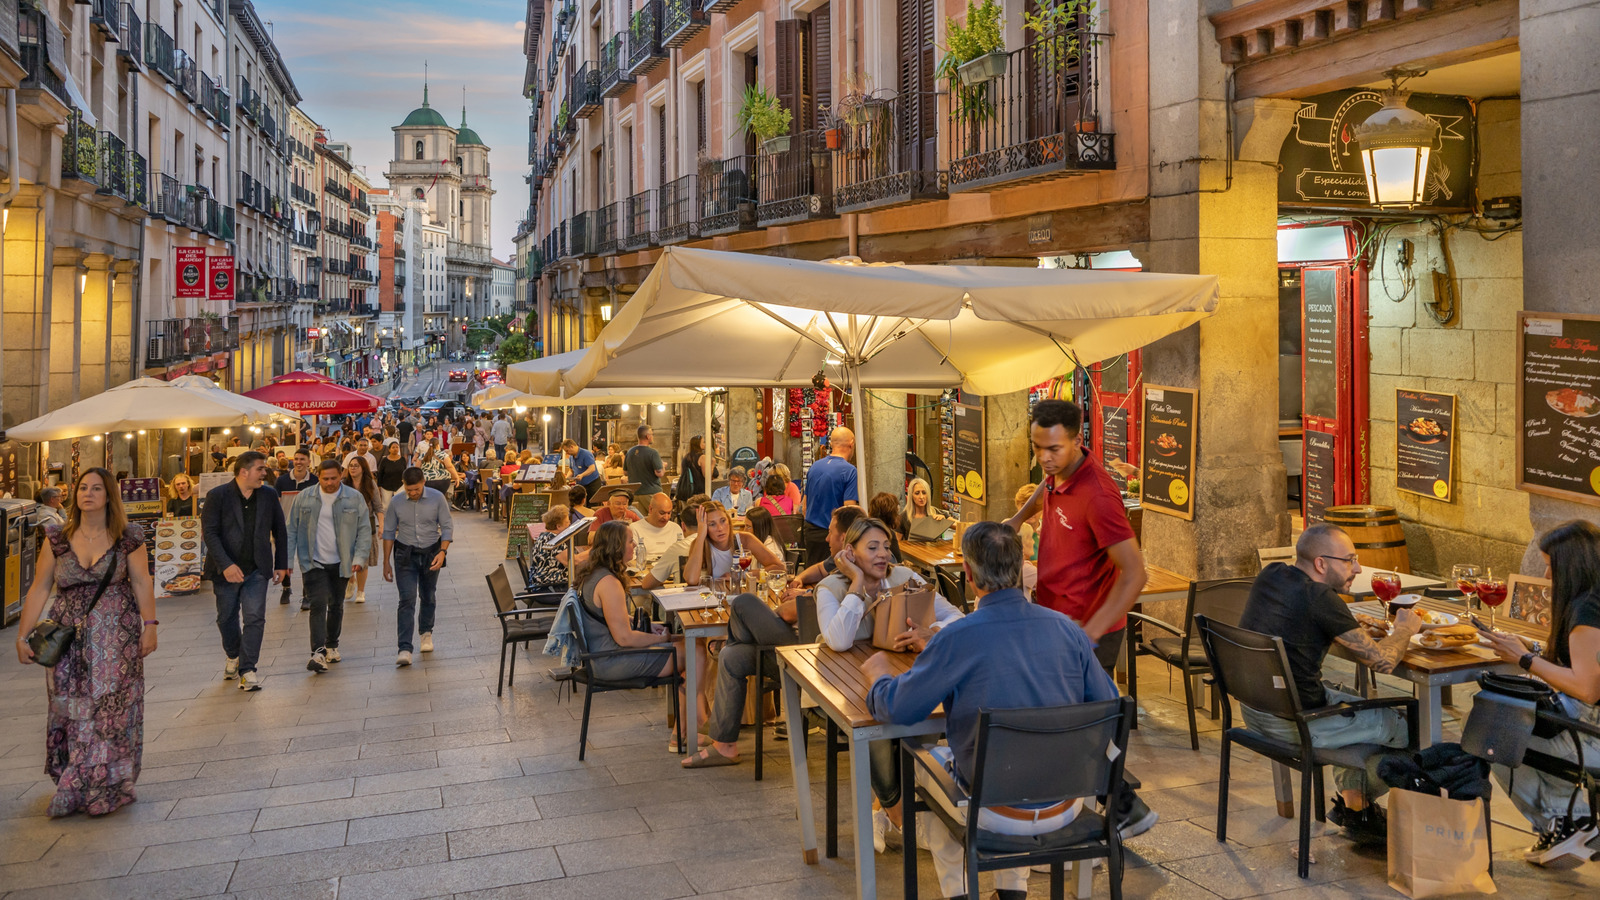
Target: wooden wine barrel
1375	530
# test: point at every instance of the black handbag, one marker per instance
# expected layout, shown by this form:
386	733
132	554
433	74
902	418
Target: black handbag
1505	716
50	639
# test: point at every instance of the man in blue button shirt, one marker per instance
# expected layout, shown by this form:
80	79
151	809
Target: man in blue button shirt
1008	654
830	484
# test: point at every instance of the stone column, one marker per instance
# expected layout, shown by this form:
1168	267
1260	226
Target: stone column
125	334
66	314
1561	173
885	459
1007	457
744	421
94	324
25	312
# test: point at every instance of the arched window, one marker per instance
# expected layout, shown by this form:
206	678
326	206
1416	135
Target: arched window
418	151
420	194
458	162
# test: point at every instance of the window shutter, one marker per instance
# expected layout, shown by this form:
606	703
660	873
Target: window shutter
918	109
700	115
791	71
821	62
661	146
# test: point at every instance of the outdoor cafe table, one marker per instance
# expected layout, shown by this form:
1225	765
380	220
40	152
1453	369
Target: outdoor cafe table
698	625
835	682
1432	670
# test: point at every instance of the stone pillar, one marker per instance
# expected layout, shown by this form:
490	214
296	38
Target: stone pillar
1561	173
885	459
66	314
1007	457
1210	218
125	334
744	420
94	324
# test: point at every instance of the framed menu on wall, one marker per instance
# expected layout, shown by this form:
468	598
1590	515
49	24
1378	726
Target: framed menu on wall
1425	443
967	423
1317	475
1558	405
1166	467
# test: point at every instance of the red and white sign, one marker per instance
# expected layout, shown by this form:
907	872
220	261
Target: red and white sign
219	276
190	271
313	333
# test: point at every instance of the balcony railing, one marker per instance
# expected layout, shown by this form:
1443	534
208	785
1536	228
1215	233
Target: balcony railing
336	189
80	150
188	76
175	340
470	253
645	52
581	235
796	185
884	155
361	241
727	195
170	201
106	15
583	91
248	100
159	52
1038	120
682	20
640	221
36	33
363	275
608	237
130	37
310	291
676	217
614	75
305	239
399	282
138	181
113	166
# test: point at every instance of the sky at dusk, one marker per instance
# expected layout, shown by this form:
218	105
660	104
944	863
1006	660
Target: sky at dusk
359	70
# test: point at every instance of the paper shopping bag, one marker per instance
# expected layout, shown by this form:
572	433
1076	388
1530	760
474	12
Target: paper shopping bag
1437	846
889	614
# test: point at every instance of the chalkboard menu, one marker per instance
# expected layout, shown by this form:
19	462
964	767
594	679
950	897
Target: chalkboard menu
967	422
1317	475
1558	406
1425	443
526	509
1166	467
1114	440
1319	290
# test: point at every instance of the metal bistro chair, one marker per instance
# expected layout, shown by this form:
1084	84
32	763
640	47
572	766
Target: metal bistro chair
585	675
535	595
790	531
1220	601
1253	668
517	626
1017	763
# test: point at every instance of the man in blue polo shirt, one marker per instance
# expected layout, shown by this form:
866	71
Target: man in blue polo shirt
830	484
584	469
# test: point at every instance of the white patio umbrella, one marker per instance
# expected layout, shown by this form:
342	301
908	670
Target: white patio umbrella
145	403
248	405
707	317
542	376
500	396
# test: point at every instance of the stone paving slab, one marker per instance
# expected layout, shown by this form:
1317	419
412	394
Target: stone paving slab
373	781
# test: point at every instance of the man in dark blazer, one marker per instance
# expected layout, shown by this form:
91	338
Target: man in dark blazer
247	547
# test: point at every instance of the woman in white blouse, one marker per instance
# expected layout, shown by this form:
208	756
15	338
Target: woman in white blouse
866	568
716	544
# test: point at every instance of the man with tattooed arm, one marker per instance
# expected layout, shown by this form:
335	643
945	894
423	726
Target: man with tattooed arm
1300	603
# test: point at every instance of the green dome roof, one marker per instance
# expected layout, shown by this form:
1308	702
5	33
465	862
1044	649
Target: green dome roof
424	116
467	136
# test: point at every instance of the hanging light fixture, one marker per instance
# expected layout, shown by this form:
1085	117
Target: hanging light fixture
605	312
1396	147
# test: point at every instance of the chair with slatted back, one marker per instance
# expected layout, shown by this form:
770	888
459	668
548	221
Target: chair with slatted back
789	531
517	626
1223	601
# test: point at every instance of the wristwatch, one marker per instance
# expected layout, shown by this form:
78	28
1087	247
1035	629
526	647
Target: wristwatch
1526	662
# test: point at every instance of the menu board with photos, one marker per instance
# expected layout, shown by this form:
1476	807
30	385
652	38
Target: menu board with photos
1166	465
1317	475
526	509
1558	405
968	455
1425	443
179	553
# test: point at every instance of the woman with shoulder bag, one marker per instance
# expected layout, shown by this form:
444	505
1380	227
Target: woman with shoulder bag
106	599
1569	661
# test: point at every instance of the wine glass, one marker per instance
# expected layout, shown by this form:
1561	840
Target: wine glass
719	590
1386	585
1465	575
705	585
1491	593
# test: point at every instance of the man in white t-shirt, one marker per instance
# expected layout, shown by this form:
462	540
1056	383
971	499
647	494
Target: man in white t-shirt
655	532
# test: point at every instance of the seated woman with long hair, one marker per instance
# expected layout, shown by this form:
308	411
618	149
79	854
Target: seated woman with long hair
774	496
761	528
919	505
712	553
1569	661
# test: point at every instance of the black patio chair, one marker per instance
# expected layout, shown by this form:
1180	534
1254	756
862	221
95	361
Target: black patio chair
593	684
1253	668
1018	763
518	626
1220	601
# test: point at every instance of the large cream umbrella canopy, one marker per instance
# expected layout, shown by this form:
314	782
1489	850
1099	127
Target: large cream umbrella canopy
217	392
500	396
542	376
142	403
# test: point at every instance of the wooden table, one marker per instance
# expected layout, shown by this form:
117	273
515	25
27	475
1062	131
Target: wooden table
698	625
930	555
835	681
1430	671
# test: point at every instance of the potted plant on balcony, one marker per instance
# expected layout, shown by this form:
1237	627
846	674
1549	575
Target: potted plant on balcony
562	116
1060	30
976	50
766	118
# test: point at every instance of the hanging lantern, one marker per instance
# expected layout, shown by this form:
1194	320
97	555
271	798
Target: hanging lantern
1396	148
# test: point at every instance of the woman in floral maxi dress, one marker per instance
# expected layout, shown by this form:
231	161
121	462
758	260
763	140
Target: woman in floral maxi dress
96	724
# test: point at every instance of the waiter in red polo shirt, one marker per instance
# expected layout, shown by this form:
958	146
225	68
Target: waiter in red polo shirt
1090	566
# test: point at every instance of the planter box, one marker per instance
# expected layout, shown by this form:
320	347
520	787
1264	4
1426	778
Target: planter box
990	65
778	144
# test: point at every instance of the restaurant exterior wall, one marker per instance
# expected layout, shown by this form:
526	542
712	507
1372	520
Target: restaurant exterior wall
1474	358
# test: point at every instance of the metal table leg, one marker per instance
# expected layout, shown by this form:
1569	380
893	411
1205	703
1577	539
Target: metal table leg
797	761
861	797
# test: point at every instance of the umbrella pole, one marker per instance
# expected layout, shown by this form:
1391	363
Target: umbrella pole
859	407
708	458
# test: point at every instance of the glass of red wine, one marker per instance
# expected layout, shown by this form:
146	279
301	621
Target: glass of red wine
1465	576
1386	585
1491	593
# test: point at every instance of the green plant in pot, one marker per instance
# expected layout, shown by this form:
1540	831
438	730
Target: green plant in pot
766	118
976	50
562	116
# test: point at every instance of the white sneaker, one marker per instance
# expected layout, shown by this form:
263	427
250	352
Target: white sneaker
318	662
884	834
427	642
404	659
361	596
332	654
249	681
230	671
350	589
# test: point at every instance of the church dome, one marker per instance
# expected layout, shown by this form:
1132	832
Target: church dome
466	136
424	116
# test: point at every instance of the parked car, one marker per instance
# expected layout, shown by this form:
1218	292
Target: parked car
449	408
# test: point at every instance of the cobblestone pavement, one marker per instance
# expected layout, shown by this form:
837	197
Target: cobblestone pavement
373	781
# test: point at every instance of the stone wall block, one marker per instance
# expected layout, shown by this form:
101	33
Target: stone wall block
1500	513
1438	353
1385	346
1477	403
1491	304
1381	398
1486	459
1495	356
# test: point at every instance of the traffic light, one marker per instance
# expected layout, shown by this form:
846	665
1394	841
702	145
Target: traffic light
463	329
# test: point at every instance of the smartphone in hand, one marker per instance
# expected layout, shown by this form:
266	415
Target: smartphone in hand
1479	624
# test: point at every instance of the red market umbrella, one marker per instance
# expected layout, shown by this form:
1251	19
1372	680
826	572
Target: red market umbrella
309	396
303	376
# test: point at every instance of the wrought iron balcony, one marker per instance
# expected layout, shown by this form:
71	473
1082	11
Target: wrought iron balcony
175	340
796	185
884	155
138	181
310	291
160	53
1038	120
34	33
720	6
608	228
727	195
581	235
614	75
640	222
114	178
170	200
80	150
682	20
106	15
130	37
583	91
676	216
188	76
645	52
